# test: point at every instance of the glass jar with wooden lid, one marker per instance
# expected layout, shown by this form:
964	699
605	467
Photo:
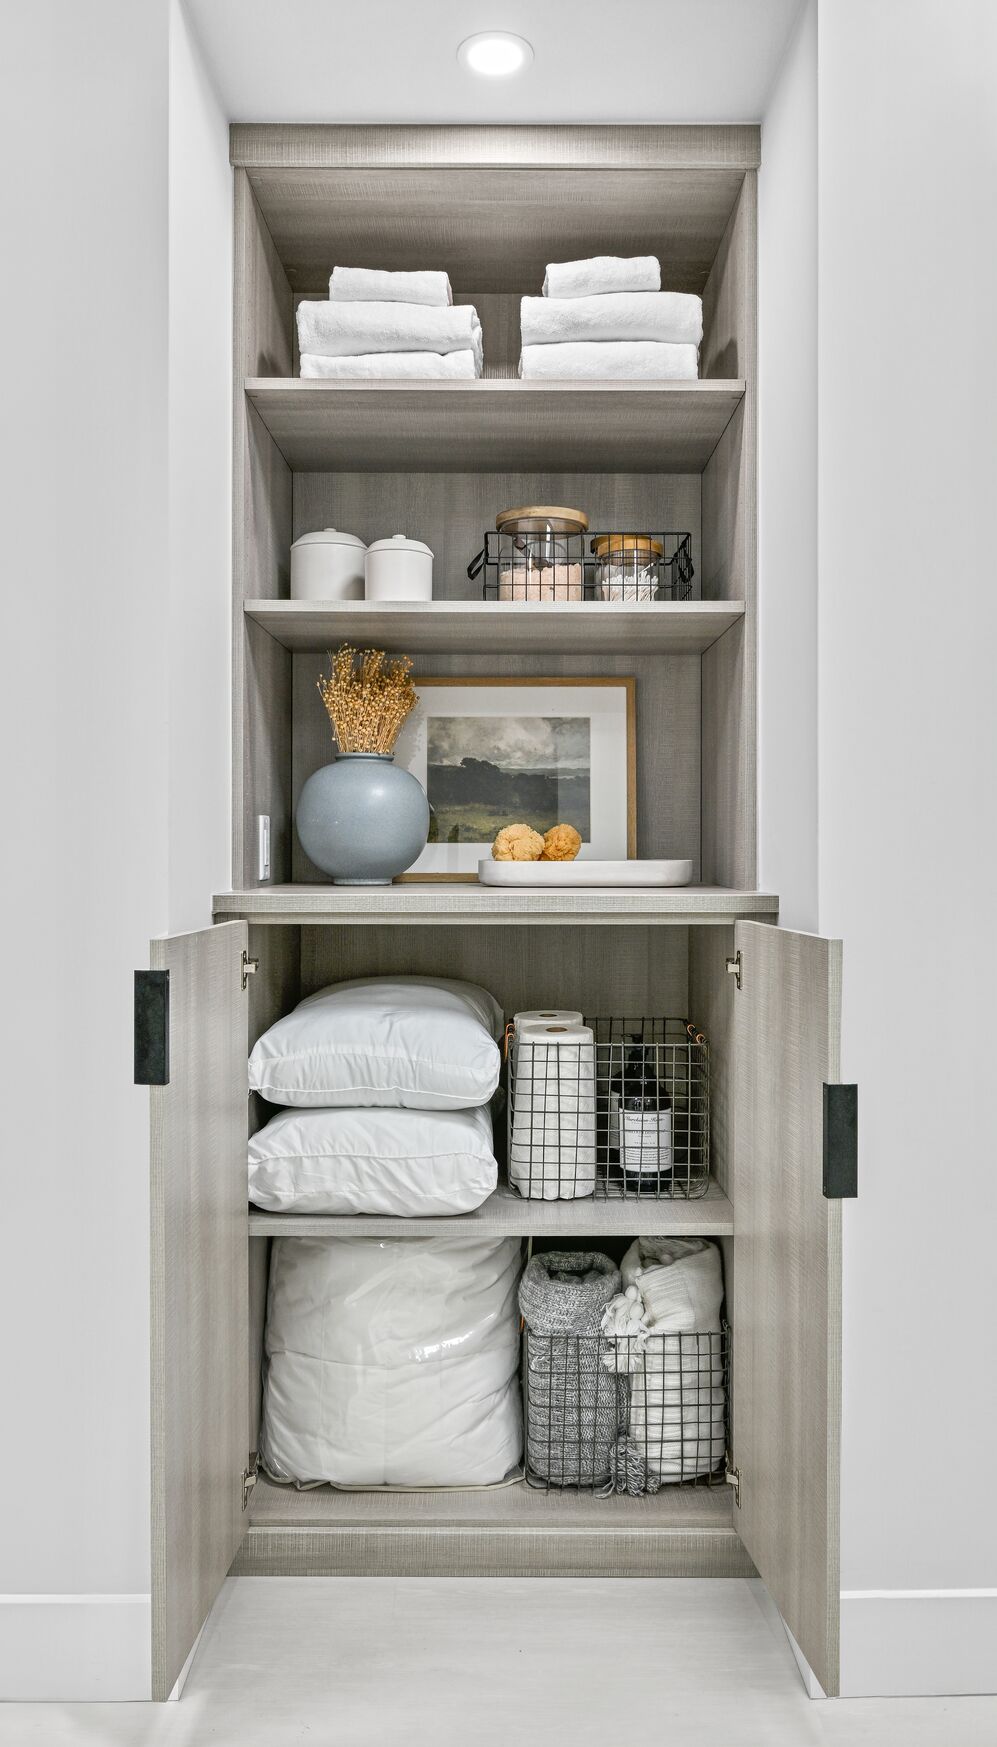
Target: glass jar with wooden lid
541	553
628	566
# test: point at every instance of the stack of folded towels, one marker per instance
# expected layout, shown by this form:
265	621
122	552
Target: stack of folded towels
608	318
389	324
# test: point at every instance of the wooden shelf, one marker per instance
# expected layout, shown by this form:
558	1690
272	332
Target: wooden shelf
547	194
431	901
515	1530
495	426
499	627
506	1214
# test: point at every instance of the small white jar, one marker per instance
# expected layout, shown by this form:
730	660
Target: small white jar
399	570
327	565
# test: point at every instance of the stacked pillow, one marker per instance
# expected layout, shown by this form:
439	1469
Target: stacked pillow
385	1083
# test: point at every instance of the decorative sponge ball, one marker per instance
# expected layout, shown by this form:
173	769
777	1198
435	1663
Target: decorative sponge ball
561	843
517	843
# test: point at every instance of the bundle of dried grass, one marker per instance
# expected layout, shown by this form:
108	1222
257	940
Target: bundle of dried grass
367	697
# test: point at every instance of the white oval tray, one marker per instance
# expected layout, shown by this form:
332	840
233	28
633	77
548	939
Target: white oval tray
584	873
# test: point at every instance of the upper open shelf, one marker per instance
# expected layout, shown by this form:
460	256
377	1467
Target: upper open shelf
493	205
496	425
499	627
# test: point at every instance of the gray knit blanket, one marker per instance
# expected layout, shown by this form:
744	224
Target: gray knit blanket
572	1412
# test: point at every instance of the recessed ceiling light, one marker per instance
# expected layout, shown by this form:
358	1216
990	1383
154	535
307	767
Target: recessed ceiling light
495	53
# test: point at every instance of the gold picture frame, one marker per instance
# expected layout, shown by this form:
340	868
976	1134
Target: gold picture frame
627	685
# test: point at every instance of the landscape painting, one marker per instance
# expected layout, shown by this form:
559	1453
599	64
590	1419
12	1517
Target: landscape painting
484	772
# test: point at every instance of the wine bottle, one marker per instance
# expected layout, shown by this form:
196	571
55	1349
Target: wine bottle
629	1072
645	1123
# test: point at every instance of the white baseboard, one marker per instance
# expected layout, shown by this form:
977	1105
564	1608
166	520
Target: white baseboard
918	1643
60	1648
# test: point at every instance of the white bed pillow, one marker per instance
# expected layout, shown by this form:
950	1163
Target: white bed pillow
392	1361
415	1043
402	1162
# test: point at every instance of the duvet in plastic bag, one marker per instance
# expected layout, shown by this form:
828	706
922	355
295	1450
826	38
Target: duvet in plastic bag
392	1361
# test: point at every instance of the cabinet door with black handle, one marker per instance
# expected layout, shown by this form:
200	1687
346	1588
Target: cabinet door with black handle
786	1315
200	1237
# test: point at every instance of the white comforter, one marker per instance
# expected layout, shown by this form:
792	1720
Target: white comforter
677	1388
392	1361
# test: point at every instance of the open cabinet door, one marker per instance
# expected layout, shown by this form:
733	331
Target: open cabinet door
787	1280
200	1320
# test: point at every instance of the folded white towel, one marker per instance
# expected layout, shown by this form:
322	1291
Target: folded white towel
371	285
454	366
346	330
602	273
674	316
612	361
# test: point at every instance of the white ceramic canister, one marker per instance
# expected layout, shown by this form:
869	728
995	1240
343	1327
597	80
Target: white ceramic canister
399	570
327	565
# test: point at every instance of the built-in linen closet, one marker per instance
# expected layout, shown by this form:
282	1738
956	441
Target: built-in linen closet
438	459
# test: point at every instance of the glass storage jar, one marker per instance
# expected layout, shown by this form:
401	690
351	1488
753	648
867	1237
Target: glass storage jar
627	566
541	553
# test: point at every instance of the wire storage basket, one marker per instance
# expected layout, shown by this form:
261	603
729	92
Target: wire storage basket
626	1414
550	565
624	1117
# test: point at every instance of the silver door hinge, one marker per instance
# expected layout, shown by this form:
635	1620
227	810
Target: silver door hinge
249	1478
734	1479
250	966
734	968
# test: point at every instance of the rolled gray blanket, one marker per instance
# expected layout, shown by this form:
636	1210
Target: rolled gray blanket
571	1398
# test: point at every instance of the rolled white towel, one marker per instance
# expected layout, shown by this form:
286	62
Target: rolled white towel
612	361
600	274
672	316
349	330
625	1326
454	366
372	285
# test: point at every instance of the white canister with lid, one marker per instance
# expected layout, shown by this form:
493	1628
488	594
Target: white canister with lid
327	565
399	570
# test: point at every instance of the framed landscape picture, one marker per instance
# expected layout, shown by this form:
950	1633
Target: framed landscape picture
494	752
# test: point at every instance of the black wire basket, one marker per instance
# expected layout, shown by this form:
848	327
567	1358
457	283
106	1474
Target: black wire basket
625	1117
551	566
626	1414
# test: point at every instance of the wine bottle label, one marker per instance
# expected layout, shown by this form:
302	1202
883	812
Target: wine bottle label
645	1140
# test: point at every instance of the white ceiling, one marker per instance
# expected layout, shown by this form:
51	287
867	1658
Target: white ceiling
612	61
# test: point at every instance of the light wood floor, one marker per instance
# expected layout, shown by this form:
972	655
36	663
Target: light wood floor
449	1662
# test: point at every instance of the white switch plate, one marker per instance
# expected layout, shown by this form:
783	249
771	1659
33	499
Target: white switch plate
263	846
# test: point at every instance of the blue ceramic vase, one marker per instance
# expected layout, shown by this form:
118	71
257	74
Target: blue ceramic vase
363	819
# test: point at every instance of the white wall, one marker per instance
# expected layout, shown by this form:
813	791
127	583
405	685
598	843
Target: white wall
85	743
787	483
107	767
908	728
200	425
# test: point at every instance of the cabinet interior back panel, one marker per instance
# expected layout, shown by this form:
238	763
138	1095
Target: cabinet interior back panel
668	735
451	511
492	226
629	972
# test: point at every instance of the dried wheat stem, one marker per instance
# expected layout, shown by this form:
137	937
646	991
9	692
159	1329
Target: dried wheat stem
367	698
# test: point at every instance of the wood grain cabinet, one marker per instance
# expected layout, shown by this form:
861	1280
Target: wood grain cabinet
492	205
